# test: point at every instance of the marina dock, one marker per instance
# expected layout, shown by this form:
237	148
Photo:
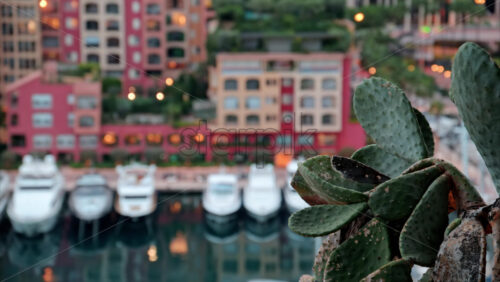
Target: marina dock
167	179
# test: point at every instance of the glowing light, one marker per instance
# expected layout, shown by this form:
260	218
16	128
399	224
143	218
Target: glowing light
131	96
48	274
152	253
199	138
372	70
31	26
178	18
109	139
447	74
179	246
480	2
359	17
182	20
434	68
440	69
175	207
43	3
411	68
172	65
425	29
160	96
169	81
174	139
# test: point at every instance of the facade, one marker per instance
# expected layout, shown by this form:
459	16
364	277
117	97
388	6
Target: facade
20	40
298	102
140	41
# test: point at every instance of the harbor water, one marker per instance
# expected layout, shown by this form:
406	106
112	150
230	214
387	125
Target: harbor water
176	243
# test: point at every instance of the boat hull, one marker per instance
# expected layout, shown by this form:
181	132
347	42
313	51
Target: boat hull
33	228
140	212
85	216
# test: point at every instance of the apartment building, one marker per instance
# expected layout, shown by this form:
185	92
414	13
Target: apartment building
299	100
20	38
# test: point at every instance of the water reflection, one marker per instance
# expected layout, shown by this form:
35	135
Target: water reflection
174	244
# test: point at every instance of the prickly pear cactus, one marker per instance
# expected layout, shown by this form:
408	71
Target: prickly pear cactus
387	208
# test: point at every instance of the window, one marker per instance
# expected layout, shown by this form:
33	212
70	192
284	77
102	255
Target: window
252	102
133	40
327	119
175	52
26	12
6	11
329	84
283	140
41	101
50	41
305	140
270	100
26	46
287	99
86	102
132	139
154	139
91	8
194	18
252	84
7	29
153	9
71	120
113	42
307	84
88	141
306	119
71	23
65	141
112	25
8	46
175	3
153	42
68	39
154	59
86	121
136	6
133	74
328	101
231	119
14	119
153	25
92	25
92	41
231	103
252	119
113	59
307	102
42	141
112	9
18	141
136	24
230	84
270	118
27	63
270	82
175	36
136	57
9	62
42	120
92	58
14	99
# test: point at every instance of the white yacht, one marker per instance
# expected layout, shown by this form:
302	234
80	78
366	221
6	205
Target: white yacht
92	198
221	198
135	189
293	200
4	192
262	196
38	196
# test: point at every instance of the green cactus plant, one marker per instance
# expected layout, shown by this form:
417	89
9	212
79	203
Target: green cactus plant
387	208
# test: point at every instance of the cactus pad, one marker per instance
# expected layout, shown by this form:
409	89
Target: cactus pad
300	185
464	193
462	255
357	171
329	244
388	117
325	182
381	160
323	219
395	271
361	254
475	90
424	230
426	132
396	198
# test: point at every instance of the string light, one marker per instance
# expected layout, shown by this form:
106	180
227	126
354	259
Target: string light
131	96
359	17
43	3
160	96
169	81
372	70
447	74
